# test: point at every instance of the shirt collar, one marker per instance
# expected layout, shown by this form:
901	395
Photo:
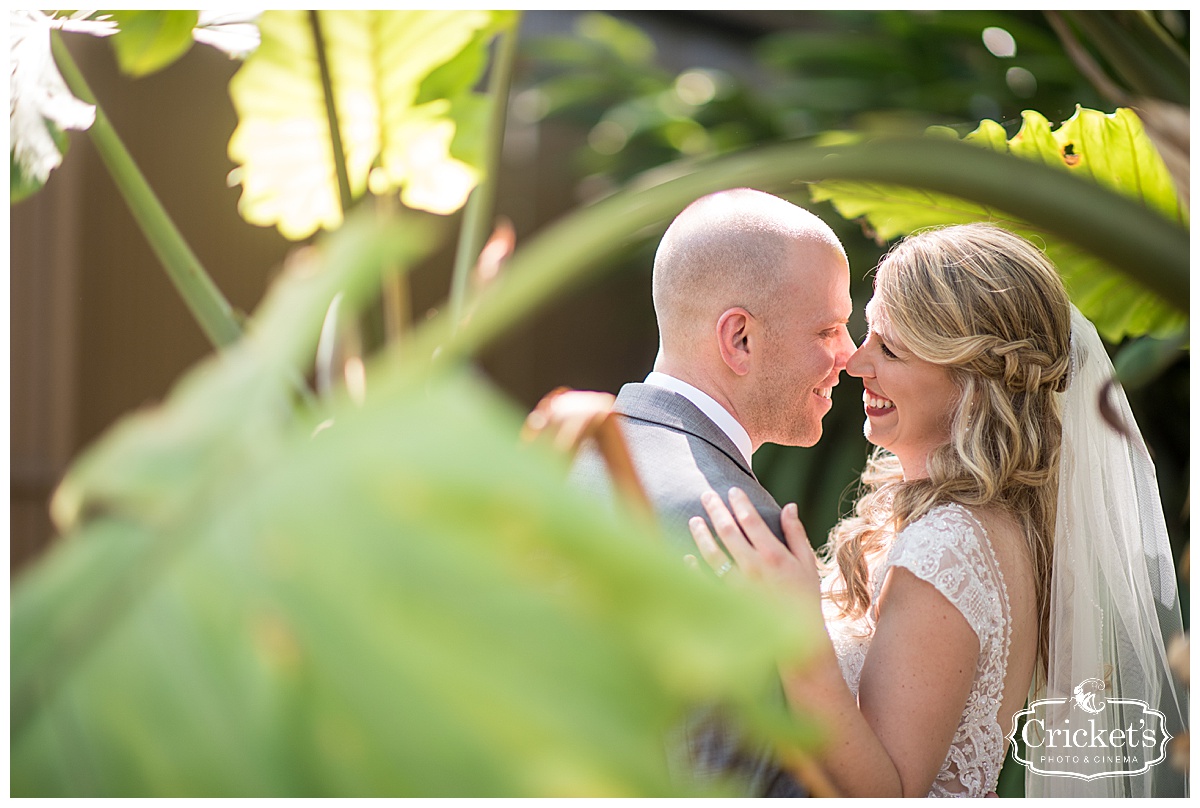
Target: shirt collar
709	406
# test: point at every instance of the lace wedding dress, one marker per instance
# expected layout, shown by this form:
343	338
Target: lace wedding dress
948	548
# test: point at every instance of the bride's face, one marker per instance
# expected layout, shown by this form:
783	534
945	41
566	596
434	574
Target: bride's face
909	402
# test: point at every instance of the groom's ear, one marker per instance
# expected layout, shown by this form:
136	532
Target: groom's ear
734	328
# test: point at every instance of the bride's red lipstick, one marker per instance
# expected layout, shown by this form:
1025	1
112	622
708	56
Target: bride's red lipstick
876	412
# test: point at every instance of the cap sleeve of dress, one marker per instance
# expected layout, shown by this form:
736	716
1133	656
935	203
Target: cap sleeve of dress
948	548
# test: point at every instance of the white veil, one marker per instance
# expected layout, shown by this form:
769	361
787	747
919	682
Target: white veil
1114	604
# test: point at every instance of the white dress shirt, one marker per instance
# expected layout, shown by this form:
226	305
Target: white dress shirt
709	406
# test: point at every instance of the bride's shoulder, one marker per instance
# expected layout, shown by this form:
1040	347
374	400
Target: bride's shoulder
971	530
985	520
965	527
946	517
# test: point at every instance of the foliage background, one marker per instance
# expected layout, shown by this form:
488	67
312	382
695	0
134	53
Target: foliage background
597	102
834	71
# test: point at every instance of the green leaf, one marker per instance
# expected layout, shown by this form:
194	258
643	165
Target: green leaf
399	600
1112	151
20	184
408	605
148	41
627	42
1141	361
393	131
23	183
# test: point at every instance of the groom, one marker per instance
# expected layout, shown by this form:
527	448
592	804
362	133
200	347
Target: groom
752	296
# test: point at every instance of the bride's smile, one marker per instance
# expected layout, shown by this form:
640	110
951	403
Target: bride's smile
906	399
876	406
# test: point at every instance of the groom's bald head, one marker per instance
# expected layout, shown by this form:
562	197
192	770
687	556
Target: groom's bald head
752	295
731	248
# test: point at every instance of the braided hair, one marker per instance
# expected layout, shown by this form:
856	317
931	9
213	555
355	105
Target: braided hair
987	305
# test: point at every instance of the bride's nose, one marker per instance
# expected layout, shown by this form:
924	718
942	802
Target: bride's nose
858	365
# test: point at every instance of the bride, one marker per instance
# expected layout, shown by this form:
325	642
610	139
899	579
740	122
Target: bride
976	575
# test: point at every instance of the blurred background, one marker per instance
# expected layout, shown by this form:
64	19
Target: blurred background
599	99
97	331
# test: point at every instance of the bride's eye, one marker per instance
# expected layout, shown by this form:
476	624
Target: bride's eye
887	351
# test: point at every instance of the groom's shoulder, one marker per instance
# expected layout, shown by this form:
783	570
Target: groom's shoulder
653	403
647	407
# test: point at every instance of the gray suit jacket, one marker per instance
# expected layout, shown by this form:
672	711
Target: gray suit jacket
679	453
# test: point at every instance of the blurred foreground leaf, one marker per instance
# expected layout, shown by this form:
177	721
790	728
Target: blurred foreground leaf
1111	150
393	599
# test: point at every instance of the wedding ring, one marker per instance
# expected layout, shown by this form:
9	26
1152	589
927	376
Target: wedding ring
724	568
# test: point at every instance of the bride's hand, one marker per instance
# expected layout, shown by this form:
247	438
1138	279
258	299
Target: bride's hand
756	552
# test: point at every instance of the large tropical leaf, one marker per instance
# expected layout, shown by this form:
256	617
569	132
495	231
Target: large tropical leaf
1111	150
393	132
392	599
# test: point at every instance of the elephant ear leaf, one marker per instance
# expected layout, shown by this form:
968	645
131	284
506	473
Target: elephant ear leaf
394	135
1112	150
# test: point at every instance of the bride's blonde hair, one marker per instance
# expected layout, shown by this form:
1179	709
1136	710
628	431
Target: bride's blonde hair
990	307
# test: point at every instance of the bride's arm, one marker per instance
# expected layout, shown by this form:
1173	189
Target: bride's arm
916	678
914	686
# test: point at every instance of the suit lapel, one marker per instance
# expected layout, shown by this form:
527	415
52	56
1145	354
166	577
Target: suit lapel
648	402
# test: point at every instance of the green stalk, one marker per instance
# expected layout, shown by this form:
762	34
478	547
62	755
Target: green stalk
1132	238
477	216
202	297
335	130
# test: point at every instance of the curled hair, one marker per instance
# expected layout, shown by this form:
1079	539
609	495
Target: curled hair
989	307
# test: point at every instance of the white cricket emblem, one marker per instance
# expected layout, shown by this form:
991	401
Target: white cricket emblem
1088	696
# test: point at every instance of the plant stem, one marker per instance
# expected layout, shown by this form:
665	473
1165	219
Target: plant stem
477	216
335	130
200	294
1140	242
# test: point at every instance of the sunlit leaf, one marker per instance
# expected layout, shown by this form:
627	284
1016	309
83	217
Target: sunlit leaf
1169	126
1111	150
148	41
378	62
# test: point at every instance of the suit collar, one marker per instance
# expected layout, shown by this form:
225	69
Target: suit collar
658	405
